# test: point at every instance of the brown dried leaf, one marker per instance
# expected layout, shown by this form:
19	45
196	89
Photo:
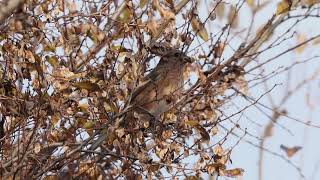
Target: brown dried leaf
125	15
88	125
203	132
51	177
192	178
37	148
199	28
152	27
220	10
154	167
309	3
54	119
30	57
233	17
300	39
218	150
192	123
53	61
242	85
215	167
290	151
166	14
214	131
233	172
283	7
166	134
143	3
250	3
72	6
170	2
120	132
218	49
87	85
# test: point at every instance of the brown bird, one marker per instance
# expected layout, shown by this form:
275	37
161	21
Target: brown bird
158	91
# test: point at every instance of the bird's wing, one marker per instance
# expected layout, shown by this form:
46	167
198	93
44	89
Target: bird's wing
158	73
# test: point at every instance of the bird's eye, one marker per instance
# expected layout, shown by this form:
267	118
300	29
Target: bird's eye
176	54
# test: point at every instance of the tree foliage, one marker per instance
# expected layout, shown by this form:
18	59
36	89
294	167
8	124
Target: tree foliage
68	70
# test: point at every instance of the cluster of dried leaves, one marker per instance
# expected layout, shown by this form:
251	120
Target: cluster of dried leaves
69	67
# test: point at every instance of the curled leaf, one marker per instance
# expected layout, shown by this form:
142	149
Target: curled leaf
87	85
199	29
290	151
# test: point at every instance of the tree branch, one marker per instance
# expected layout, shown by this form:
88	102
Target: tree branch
7	8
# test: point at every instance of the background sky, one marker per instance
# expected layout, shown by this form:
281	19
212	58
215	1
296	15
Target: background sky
245	155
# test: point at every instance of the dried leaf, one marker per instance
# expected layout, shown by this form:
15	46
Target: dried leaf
143	3
203	132
199	29
192	123
242	85
290	151
88	125
300	39
250	3
170	2
192	178
233	172
218	150
233	17
152	27
218	49
54	119
220	10
51	177
309	3
215	167
37	148
72	6
166	134
53	61
154	168
283	7
166	14
214	131
125	15
30	57
87	85
120	132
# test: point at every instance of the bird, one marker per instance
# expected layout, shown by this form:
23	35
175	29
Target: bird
158	91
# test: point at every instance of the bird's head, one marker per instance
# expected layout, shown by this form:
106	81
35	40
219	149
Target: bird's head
167	52
178	55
